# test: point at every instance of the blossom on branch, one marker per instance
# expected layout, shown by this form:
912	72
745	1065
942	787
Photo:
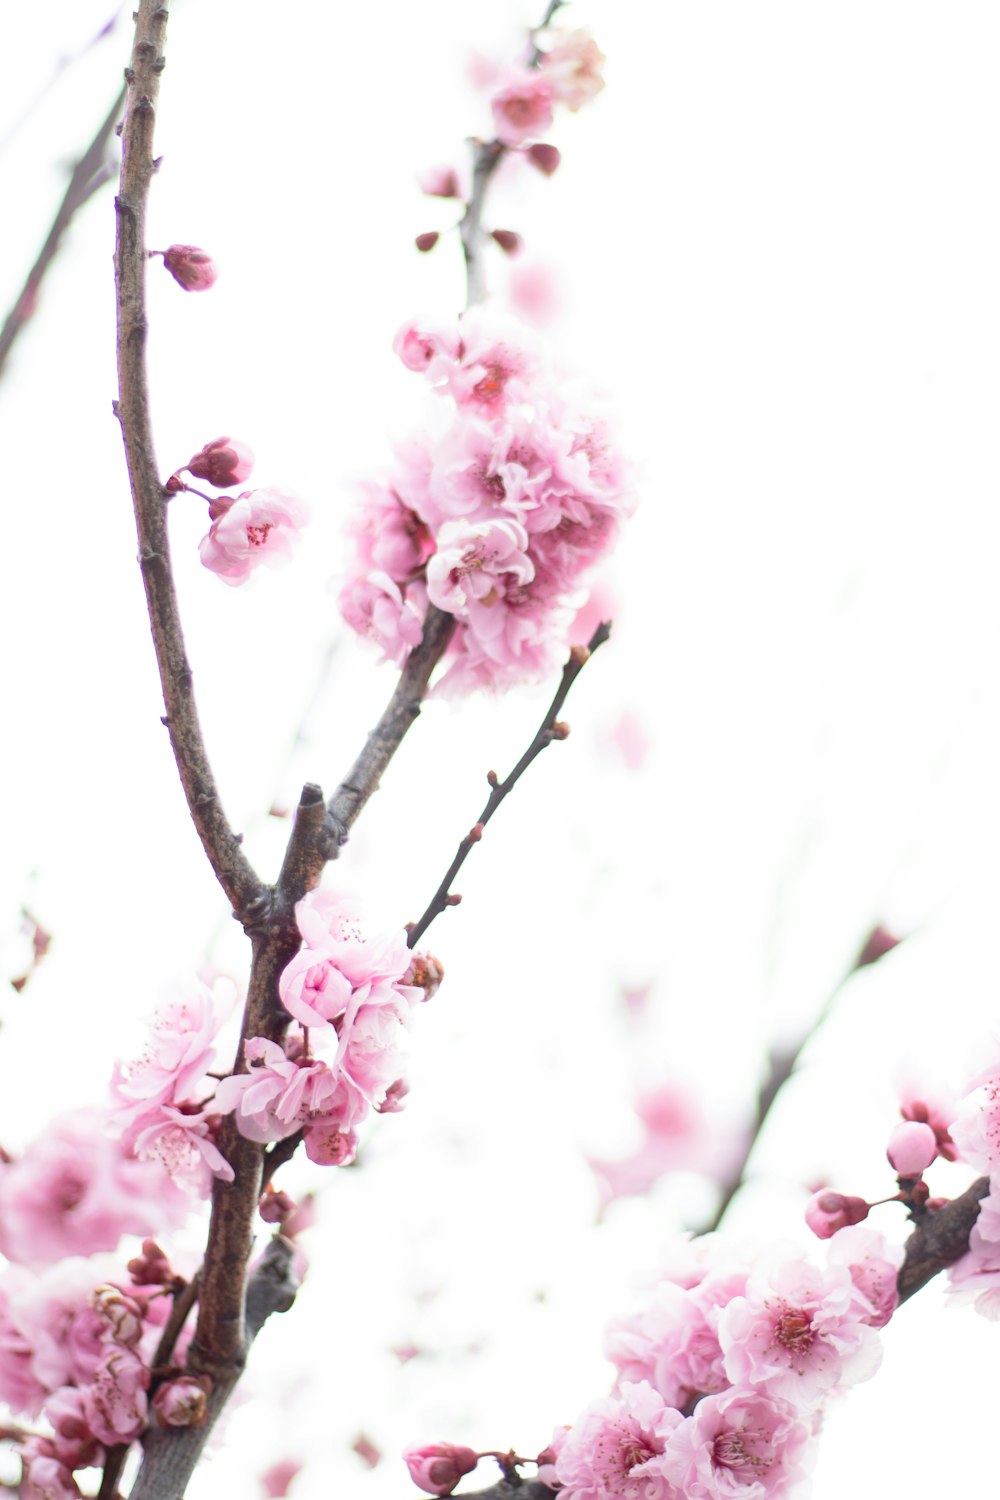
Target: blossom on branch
258	527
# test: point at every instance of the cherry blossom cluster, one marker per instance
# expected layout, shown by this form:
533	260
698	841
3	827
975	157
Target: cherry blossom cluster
723	1375
351	993
254	528
498	515
567	70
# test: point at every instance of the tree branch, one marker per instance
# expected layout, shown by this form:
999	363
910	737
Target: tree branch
170	1454
548	730
383	742
90	173
782	1063
233	870
939	1239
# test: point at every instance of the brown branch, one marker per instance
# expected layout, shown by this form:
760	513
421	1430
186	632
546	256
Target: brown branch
89	174
548	730
170	1454
782	1063
383	742
233	870
940	1239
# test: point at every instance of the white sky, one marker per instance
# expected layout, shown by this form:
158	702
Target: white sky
779	233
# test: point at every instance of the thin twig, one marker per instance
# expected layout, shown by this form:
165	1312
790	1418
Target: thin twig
236	875
385	739
548	730
90	173
782	1063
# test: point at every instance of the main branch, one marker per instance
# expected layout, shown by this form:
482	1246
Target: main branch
236	875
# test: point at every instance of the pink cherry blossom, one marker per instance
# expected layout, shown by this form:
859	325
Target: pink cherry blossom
424	344
178	1053
873	1265
276	1095
522	105
478	561
374	606
573	65
975	1277
438	1467
740	1445
76	1189
223	462
258	527
183	1144
933	1105
73	1442
617	1447
115	1397
45	1476
329	1144
191	268
798	1332
672	1344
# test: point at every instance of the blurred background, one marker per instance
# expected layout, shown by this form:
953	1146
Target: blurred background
774	240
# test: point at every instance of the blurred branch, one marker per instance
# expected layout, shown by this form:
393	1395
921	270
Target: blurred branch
90	173
782	1063
63	65
548	730
233	870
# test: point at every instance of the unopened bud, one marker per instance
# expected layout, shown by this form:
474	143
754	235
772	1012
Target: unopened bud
426	972
453	899
190	267
877	944
912	1147
151	1268
545	158
560	730
274	1207
509	242
439	182
826	1212
425	242
223	462
121	1312
183	1402
475	833
438	1467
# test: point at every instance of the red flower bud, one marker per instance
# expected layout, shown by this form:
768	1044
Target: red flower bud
545	158
190	267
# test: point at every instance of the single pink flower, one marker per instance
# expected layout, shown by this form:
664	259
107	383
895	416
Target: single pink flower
376	608
438	1467
190	267
477	561
873	1266
522	106
329	1144
740	1445
618	1446
573	65
183	1144
259	527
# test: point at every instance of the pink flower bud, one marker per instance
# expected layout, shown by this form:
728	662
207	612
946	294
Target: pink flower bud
302	1217
912	1147
425	242
439	182
151	1268
545	158
510	242
426	972
878	943
275	1481
190	267
274	1207
826	1212
438	1467
183	1402
223	462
